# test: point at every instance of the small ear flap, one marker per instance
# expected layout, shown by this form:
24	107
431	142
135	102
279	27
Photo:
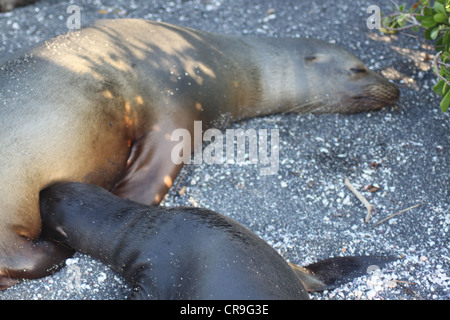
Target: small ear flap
333	272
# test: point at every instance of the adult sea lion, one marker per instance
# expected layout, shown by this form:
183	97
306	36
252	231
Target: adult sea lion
7	5
182	252
99	105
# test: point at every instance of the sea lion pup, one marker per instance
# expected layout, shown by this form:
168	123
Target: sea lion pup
99	105
181	252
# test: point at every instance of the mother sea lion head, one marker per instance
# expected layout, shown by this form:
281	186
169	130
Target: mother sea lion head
338	82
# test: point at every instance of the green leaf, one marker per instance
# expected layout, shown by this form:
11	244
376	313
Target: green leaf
428	22
445	103
440	17
402	19
439	7
434	32
390	22
428	12
446	73
387	31
446	40
438	87
445	56
415	29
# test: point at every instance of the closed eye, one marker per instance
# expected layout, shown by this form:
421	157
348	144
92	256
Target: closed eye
358	70
310	58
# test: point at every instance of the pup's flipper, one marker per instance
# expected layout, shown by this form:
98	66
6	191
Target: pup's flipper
333	272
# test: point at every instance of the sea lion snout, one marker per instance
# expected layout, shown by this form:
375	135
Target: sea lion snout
50	203
59	206
339	82
383	91
364	91
372	93
48	199
370	90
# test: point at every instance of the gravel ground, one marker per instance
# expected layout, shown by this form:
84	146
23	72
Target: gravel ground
304	211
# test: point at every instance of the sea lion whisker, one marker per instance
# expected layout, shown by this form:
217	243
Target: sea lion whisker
369	100
304	105
324	108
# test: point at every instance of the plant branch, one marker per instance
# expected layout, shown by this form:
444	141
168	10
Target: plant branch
436	68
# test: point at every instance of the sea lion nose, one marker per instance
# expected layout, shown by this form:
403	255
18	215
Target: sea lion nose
44	196
385	92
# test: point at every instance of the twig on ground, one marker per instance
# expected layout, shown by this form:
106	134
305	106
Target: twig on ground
361	198
397	213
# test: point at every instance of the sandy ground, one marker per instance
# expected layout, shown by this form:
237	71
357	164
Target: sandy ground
304	211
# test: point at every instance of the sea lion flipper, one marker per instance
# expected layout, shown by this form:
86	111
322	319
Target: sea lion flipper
333	272
309	280
6	282
32	259
150	172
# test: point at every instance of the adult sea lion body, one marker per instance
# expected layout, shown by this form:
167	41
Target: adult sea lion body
99	105
182	252
7	5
